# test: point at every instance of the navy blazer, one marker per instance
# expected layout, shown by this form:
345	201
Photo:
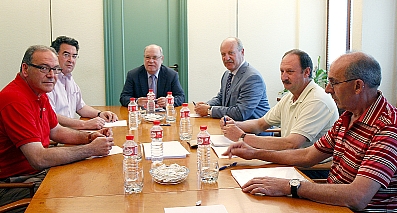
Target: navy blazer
136	85
247	98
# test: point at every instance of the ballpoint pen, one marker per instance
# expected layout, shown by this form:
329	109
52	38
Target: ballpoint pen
224	120
227	166
194	103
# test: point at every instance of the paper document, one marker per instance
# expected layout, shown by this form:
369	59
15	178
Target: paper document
113	151
220	140
242	176
197	209
194	115
116	123
219	150
171	149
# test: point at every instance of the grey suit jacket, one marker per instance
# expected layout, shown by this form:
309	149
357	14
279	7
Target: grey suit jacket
247	98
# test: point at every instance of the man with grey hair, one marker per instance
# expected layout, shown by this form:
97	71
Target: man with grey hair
27	123
362	142
242	95
152	74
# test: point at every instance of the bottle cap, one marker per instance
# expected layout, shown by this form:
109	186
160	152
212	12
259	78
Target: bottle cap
203	127
150	90
129	137
169	93
132	99
185	105
156	122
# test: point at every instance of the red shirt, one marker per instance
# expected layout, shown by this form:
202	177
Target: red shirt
368	148
24	118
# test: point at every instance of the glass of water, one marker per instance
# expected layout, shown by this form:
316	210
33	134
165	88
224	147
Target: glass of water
209	171
133	180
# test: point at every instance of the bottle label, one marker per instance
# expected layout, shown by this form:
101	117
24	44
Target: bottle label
170	100
156	134
203	140
185	114
132	108
130	150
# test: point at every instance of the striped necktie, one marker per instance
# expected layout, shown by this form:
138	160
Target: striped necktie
229	83
153	84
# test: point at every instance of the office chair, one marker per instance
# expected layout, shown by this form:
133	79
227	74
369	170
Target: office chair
19	203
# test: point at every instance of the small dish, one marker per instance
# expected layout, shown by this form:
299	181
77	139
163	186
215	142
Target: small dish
153	117
172	174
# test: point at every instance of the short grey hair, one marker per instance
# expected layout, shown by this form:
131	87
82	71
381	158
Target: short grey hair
240	46
364	67
154	45
28	56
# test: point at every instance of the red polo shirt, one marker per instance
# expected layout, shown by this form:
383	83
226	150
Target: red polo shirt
24	118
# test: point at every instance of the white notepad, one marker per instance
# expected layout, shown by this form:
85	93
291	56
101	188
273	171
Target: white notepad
220	140
242	176
171	149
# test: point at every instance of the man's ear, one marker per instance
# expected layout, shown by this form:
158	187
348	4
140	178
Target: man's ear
24	69
359	85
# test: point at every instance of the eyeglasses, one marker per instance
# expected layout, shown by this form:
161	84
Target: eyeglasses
46	69
332	84
155	58
67	55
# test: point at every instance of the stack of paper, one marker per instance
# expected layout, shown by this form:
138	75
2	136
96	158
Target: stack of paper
172	149
242	176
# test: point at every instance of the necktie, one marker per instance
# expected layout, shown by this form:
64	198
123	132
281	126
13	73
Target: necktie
229	83
153	83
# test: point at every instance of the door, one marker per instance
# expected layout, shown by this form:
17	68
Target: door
130	25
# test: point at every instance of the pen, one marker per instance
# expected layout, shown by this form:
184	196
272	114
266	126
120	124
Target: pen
228	166
224	120
165	124
194	103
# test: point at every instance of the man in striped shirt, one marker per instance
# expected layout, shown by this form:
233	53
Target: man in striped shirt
363	143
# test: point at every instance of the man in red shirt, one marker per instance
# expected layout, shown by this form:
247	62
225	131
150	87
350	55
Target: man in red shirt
362	142
27	123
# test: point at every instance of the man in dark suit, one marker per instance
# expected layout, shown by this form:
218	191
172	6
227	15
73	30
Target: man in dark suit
243	91
152	74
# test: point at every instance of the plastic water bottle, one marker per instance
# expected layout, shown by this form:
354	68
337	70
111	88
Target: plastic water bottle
185	128
204	147
170	117
151	105
156	133
133	121
133	173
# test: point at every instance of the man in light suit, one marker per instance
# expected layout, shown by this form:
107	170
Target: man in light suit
140	79
243	91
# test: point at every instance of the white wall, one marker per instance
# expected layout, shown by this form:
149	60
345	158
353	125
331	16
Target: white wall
267	28
25	23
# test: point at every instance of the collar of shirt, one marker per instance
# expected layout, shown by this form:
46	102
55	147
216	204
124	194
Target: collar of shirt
156	74
234	72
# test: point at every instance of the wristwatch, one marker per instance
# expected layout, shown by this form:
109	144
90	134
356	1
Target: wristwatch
209	111
242	137
294	184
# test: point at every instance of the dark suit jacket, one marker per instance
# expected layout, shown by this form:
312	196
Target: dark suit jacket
136	85
247	98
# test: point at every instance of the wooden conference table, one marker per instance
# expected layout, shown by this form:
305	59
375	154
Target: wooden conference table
96	185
